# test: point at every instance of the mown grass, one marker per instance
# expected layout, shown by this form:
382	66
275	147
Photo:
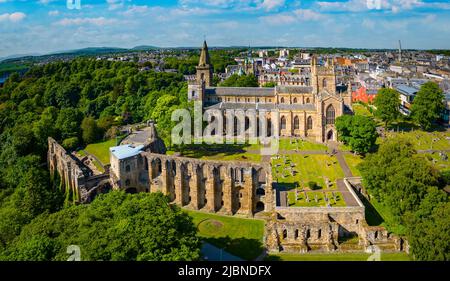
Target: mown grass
101	150
308	168
425	140
352	162
302	202
301	145
238	236
337	257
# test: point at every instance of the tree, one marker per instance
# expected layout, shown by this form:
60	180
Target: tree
398	177
429	228
114	227
359	132
91	132
68	122
270	85
428	105
387	103
45	127
240	81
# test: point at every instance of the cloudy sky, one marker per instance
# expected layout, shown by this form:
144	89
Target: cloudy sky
42	26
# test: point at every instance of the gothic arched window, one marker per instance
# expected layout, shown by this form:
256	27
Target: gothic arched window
283	123
308	101
309	124
296	123
282	100
330	115
295	100
324	83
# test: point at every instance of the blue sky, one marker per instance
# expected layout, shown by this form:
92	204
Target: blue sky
42	26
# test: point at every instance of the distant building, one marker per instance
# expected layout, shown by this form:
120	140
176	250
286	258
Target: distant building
407	95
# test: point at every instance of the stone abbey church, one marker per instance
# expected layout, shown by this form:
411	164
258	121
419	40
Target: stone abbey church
305	111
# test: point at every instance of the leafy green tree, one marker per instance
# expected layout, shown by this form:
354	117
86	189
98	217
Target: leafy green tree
114	227
91	132
398	177
68	122
359	132
270	85
428	105
71	143
387	103
240	81
45	126
429	228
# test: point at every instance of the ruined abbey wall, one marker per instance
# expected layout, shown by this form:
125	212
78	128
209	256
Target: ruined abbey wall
74	176
214	186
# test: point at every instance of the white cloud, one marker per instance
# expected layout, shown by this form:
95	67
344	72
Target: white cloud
393	5
115	4
14	17
100	21
299	15
53	13
270	5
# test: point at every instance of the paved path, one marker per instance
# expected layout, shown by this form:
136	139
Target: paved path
348	197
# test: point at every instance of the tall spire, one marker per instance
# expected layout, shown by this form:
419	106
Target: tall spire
204	55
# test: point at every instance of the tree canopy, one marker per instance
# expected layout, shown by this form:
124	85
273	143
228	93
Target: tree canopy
407	184
240	81
359	132
428	105
114	227
387	103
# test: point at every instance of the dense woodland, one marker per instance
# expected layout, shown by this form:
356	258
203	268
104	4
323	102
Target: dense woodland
79	102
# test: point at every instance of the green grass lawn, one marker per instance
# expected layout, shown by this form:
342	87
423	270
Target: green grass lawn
300	145
352	162
223	152
425	140
337	257
309	168
302	202
387	218
101	150
239	236
361	109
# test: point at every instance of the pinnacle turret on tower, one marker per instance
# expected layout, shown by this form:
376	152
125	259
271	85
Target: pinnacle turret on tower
204	68
204	56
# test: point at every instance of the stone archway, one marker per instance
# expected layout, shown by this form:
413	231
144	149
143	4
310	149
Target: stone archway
260	206
330	135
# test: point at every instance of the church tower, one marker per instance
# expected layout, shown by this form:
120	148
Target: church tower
204	68
323	77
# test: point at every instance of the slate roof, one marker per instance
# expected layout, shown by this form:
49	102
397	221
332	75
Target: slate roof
240	91
125	151
294	89
261	106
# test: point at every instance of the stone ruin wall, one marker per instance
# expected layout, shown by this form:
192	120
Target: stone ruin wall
74	176
213	186
305	229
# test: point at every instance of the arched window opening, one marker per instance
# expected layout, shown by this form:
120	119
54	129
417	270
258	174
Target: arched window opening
283	123
330	115
296	123
309	124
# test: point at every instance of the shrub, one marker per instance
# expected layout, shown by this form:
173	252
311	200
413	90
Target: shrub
313	185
